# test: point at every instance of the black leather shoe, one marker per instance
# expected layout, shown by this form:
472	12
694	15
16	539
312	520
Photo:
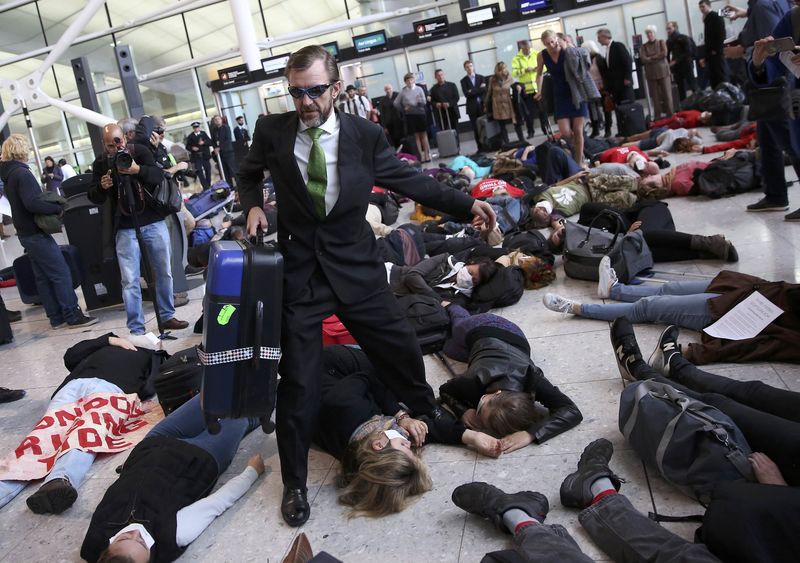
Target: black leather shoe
490	502
294	506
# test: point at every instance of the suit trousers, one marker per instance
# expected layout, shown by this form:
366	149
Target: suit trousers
382	330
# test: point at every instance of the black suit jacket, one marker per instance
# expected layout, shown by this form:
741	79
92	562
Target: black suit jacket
342	244
475	95
714	34
616	71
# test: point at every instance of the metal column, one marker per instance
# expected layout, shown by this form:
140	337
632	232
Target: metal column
130	82
83	78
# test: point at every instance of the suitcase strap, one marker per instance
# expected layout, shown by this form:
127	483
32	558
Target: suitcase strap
236	355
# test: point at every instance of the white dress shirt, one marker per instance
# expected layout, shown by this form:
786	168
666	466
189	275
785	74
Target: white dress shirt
329	140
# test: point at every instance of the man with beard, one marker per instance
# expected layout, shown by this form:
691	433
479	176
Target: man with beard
324	164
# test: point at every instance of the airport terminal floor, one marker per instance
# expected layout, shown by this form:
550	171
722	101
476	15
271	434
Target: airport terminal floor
574	353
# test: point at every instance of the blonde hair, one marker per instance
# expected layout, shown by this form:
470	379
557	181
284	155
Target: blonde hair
16	147
379	482
546	34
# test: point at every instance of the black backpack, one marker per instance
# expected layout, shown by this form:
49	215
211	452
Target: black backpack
724	178
429	319
179	379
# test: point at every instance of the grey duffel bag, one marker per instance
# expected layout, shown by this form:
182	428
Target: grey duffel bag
693	445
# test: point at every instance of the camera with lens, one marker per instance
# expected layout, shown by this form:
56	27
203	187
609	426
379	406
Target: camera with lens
121	159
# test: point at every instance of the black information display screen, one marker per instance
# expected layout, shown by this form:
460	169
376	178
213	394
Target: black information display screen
431	28
374	42
234	75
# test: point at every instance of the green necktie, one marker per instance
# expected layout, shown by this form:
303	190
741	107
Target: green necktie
317	172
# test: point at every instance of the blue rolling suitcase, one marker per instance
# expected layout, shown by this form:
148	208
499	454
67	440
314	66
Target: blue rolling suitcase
209	201
241	332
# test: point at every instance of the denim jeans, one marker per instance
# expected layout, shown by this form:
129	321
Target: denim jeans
75	464
156	238
682	303
53	278
188	424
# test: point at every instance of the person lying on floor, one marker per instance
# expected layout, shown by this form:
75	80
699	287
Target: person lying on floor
689	119
655	221
160	503
441	273
634	157
564	199
696	304
662	141
622	532
361	423
106	364
499	391
741	522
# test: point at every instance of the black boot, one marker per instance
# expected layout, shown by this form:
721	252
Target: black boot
490	502
715	246
576	490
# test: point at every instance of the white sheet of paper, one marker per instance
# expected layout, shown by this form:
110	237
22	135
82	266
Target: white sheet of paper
745	320
786	59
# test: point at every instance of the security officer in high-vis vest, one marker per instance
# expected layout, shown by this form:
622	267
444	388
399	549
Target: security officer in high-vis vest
523	68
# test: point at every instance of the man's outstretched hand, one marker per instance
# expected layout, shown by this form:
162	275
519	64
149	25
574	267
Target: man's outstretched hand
485	217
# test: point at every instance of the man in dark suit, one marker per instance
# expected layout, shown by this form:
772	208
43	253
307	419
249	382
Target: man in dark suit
714	34
223	148
444	97
391	119
680	51
616	71
474	88
324	164
198	143
241	138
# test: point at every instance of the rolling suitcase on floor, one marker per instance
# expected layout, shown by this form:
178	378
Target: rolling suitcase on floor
490	136
241	332
76	185
630	119
26	280
447	140
209	201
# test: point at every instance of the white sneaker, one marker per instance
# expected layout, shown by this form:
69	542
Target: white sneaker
557	303
607	278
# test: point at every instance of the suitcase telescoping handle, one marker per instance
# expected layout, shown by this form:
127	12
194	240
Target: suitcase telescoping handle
441	119
258	333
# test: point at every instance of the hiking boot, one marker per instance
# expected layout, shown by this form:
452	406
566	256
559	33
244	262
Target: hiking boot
667	347
175	324
54	497
557	303
793	216
9	395
716	246
82	321
764	204
487	501
626	349
576	489
606	279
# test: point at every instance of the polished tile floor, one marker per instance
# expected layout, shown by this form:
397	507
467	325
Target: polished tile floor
574	354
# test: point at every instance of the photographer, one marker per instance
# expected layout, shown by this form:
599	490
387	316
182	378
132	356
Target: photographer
111	171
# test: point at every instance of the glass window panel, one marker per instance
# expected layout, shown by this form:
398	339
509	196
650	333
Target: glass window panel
21	31
211	29
49	131
102	64
157	45
174	97
285	17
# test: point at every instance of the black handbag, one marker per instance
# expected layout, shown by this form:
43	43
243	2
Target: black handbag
584	247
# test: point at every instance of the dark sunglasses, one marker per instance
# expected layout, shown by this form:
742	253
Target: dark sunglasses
158	130
312	92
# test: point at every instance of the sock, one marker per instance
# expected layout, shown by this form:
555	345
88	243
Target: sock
601	488
514	519
639	366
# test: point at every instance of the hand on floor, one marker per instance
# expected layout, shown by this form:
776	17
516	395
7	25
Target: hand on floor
767	473
516	441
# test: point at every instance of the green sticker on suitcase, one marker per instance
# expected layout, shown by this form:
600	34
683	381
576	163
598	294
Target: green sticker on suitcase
225	314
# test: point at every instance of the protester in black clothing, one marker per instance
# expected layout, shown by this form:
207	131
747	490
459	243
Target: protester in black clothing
473	86
714	33
223	147
444	98
680	51
362	424
199	144
655	221
498	391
